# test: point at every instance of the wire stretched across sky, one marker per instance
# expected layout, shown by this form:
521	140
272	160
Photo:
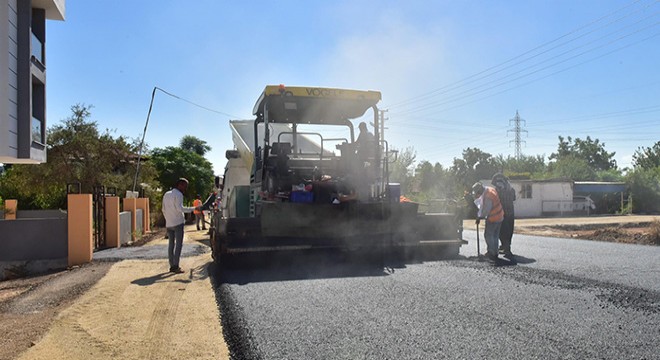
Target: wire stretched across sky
522	58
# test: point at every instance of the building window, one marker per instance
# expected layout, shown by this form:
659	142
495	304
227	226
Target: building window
38	35
526	191
37	49
37	130
38	111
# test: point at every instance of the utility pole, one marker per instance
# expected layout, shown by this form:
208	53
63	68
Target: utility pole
517	130
382	124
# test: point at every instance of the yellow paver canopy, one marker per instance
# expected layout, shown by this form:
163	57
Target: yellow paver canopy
314	105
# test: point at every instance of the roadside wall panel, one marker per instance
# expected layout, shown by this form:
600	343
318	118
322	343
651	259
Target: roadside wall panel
41	214
125	227
130	204
33	239
29	246
139	228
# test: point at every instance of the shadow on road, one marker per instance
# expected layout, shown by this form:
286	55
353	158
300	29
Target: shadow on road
198	273
523	260
150	280
299	265
502	261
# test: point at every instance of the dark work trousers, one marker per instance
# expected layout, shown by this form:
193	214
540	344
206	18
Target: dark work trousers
506	233
175	235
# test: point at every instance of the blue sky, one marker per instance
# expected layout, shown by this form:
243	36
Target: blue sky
452	73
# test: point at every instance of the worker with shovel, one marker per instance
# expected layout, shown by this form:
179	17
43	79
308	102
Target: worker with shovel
491	210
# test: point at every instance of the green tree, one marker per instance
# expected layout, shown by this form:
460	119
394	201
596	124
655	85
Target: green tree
194	144
474	166
435	186
527	166
647	157
425	176
610	175
401	170
591	151
644	185
77	153
571	167
173	163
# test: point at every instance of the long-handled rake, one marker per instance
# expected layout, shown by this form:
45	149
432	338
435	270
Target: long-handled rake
478	250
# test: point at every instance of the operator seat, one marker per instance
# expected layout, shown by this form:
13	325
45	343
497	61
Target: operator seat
278	166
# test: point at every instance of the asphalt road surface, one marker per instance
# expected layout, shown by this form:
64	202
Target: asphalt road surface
562	298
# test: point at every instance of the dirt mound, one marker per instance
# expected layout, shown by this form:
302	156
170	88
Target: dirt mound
648	235
644	235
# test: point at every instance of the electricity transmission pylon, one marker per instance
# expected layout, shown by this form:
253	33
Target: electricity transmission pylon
517	129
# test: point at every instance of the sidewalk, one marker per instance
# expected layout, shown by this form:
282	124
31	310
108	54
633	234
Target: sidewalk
141	311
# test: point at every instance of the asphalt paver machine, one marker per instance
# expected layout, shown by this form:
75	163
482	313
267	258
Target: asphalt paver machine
298	179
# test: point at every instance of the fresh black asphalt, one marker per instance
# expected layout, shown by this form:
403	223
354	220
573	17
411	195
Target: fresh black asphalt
560	299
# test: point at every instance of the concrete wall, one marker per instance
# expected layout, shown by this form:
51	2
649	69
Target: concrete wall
41	214
143	204
130	204
8	80
32	245
139	226
55	9
125	227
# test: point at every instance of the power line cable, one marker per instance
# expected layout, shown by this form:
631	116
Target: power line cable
197	105
524	54
636	111
503	80
146	124
546	76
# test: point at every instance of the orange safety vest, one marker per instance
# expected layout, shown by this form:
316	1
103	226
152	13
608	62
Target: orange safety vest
197	203
496	212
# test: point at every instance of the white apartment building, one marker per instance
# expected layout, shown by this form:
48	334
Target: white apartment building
23	78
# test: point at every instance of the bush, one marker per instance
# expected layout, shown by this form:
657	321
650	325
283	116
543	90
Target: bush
644	186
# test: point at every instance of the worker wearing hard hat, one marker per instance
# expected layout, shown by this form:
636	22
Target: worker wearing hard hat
491	210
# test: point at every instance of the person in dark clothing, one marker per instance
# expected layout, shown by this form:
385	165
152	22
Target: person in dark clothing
366	142
507	196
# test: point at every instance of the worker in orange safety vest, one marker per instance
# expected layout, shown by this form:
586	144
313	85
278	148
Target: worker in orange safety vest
491	210
199	214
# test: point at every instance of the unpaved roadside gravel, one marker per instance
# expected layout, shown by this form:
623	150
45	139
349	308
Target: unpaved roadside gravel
132	309
633	229
28	306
